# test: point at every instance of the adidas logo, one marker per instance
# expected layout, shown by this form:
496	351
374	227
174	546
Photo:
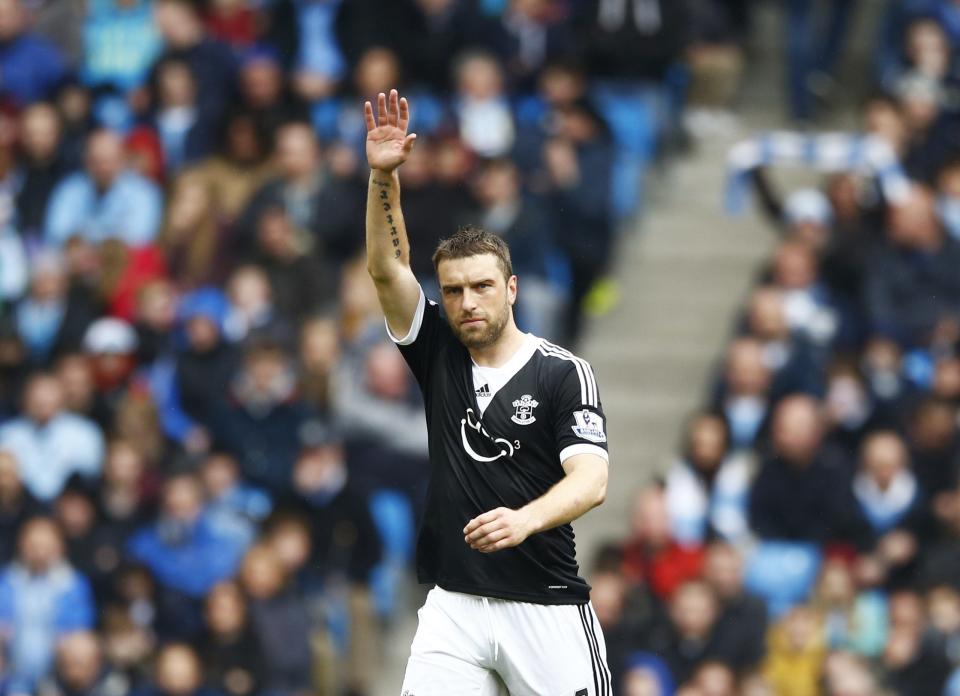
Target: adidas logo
483	391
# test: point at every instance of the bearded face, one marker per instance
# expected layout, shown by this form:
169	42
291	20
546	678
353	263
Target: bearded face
477	298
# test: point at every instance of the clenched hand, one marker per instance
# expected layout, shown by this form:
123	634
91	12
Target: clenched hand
501	528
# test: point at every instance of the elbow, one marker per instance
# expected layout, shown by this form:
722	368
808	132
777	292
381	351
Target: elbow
600	494
379	275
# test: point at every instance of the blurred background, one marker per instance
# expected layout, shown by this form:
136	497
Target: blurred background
744	213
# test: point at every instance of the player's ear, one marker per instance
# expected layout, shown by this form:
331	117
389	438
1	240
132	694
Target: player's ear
512	289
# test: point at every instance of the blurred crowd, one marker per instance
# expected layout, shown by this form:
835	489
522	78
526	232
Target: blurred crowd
806	540
210	457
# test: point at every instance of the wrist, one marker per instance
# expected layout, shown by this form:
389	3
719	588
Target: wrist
389	173
531	520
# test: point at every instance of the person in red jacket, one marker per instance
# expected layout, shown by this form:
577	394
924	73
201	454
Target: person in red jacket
651	555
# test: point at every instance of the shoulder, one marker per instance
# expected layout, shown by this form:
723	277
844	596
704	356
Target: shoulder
75	184
564	368
131	182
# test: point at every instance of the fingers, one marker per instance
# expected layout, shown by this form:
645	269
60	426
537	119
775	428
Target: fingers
368	116
480	532
408	142
481	520
393	113
493	539
404	114
381	108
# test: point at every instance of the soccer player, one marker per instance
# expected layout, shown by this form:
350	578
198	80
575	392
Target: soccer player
517	451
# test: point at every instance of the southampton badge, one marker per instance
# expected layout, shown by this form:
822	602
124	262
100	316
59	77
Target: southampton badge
524	405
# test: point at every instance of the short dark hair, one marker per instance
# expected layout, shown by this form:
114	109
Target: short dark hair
472	240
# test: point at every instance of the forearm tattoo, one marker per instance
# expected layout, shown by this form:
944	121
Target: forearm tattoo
394	235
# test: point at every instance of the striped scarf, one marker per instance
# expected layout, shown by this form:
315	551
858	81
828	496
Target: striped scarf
827	152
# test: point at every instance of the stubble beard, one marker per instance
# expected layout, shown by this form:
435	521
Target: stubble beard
479	340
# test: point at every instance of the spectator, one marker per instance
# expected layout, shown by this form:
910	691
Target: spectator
852	619
807	307
279	619
910	664
239	166
230	652
177	672
17	505
505	210
797	651
794	360
381	417
53	318
934	445
81	669
707	488
316	201
32	66
325	495
651	555
50	444
691	637
300	282
192	237
741	626
798	494
319	353
186	553
304	34
887	492
186	135
87	545
630	42
743	392
43	166
120	43
911	286
204	368
41	599
265	93
232	22
262	422
846	673
211	62
233	506
483	111
251	312
579	167
105	201
81	396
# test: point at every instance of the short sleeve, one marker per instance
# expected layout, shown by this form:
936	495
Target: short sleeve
419	347
580	422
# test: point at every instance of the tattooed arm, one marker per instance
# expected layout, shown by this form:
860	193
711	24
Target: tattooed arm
388	252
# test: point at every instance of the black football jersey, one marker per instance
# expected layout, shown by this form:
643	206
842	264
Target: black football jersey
506	456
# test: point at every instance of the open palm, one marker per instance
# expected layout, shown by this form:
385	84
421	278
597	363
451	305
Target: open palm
388	143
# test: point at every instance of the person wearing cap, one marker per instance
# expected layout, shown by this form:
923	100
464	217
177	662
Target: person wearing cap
49	443
203	370
111	344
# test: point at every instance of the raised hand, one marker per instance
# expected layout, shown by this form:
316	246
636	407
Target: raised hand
388	144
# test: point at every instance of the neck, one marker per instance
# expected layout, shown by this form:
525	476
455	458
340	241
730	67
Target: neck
497	353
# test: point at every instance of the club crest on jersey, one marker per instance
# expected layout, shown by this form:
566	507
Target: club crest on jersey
589	426
524	405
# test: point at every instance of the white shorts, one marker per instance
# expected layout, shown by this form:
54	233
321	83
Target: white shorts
477	646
